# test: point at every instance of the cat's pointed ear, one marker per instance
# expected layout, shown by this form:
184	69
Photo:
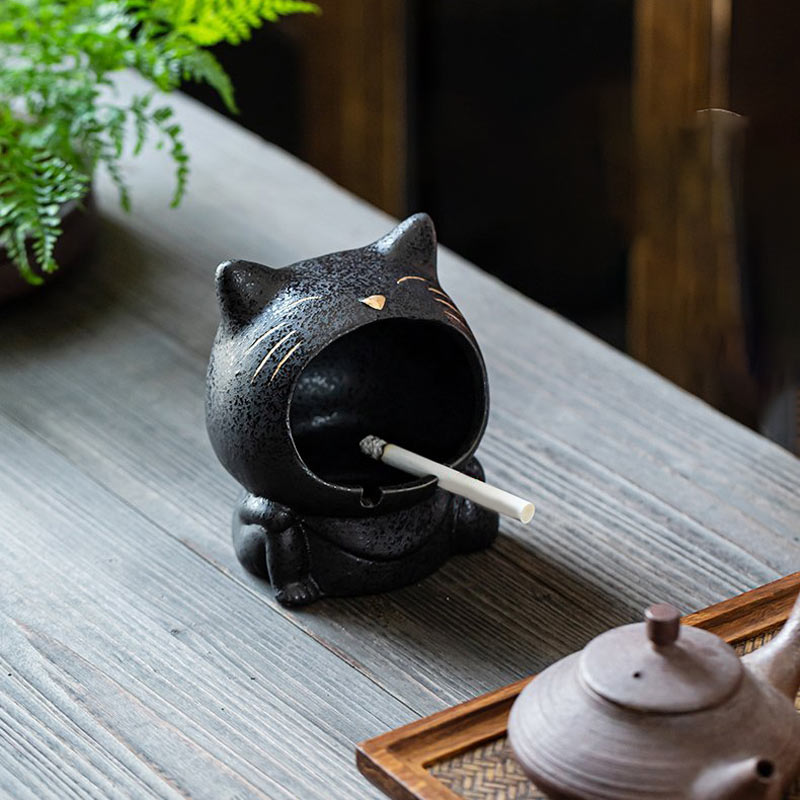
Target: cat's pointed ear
243	289
413	244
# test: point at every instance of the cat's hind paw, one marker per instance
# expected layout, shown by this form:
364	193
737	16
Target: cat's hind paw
298	593
249	542
475	528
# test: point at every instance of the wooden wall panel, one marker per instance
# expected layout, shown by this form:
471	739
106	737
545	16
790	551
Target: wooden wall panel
686	314
355	98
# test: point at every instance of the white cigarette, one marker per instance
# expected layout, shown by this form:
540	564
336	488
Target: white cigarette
450	479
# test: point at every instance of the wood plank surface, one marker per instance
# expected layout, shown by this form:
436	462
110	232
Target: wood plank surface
138	659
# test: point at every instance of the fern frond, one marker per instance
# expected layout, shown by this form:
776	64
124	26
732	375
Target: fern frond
172	135
208	22
57	124
202	67
117	178
274	9
138	110
33	186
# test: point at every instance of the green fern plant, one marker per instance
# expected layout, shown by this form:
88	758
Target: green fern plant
59	118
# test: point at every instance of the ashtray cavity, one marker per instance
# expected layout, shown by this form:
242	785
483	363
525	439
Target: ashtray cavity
416	382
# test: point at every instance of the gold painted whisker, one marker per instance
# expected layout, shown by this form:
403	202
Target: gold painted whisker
271	351
264	336
412	278
284	360
301	300
458	320
439	291
449	305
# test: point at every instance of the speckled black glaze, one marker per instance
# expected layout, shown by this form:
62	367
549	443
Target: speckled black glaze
301	370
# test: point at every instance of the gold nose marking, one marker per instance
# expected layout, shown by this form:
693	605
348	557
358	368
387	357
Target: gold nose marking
376	301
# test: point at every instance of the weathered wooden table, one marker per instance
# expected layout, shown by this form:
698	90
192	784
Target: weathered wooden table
138	659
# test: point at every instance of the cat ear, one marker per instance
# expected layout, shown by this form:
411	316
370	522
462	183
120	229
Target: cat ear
244	288
413	244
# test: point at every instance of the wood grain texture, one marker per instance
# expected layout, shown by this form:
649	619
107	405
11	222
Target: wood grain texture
115	513
119	640
766	607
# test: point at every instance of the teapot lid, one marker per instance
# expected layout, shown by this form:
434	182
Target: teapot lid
660	665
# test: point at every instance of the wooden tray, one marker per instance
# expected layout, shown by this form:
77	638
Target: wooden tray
462	753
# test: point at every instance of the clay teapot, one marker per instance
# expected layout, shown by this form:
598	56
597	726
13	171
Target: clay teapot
663	710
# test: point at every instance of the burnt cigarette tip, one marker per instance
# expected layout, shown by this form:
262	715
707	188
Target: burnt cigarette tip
372	446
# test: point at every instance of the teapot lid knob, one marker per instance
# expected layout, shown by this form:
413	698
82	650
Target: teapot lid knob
660	666
663	624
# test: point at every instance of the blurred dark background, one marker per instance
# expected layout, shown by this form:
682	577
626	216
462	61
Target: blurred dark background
632	164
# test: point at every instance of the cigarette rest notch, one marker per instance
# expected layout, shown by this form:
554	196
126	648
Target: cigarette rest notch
371	496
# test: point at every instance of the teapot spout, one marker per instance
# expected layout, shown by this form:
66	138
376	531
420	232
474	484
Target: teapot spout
778	662
750	779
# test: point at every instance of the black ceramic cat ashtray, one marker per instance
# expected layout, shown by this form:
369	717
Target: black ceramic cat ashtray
308	360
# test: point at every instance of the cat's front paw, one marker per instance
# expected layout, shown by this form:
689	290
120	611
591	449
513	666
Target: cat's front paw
298	593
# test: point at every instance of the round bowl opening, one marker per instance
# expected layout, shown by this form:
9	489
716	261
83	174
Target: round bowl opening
416	384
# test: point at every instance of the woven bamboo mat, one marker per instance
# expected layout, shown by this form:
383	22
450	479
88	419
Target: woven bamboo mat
490	772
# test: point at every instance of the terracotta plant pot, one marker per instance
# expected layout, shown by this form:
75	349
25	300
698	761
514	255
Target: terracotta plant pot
79	230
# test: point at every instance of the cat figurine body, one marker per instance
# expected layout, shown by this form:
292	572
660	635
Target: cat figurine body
308	360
